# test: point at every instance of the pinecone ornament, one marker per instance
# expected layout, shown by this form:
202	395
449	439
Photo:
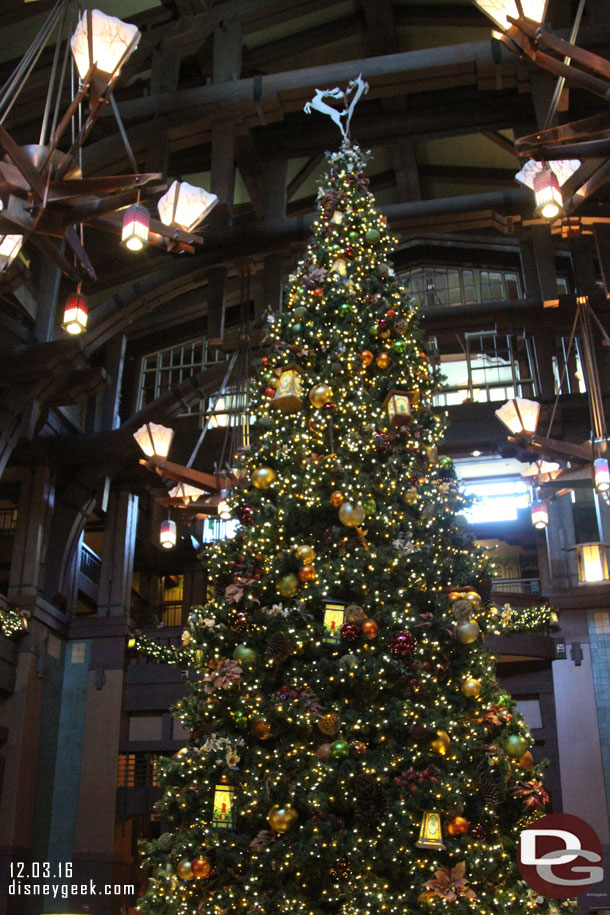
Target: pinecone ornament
279	648
491	784
371	801
484	589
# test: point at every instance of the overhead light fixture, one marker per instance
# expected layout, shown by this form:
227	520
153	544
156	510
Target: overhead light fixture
76	312
520	416
540	514
186	492
538	468
500	10
136	223
10	246
601	475
547	194
167	534
154	439
592	562
185	205
102	42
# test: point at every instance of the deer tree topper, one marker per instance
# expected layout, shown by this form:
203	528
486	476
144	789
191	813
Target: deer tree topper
355	89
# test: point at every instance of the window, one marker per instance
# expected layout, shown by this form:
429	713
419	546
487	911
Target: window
137	770
601	622
453	286
567	370
216	529
496	499
492	367
530	709
170	366
77	655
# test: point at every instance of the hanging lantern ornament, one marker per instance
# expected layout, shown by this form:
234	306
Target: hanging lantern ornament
398	404
430	832
540	514
547	194
136	223
602	475
167	534
75	313
185	205
288	391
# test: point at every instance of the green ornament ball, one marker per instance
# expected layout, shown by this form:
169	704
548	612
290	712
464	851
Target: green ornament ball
398	346
344	309
374	330
370	506
267	376
372	236
240	719
516	746
244	654
288	585
296	328
504	701
339	749
353	237
445	463
299	311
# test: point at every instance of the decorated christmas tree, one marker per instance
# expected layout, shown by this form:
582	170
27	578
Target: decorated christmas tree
350	750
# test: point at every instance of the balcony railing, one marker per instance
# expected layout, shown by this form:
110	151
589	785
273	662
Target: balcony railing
90	564
516	585
8	520
170	613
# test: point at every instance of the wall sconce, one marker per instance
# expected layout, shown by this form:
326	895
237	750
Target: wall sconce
154	439
520	416
185	205
601	475
136	223
75	314
167	534
592	562
540	514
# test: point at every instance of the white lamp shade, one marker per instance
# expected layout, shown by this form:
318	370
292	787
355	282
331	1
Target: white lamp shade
110	40
519	415
10	246
75	314
187	492
499	10
601	472
185	205
540	467
561	168
167	534
154	439
592	562
540	515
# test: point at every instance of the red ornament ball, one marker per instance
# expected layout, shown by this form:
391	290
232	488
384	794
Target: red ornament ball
270	392
382	323
307	572
350	632
367	357
369	629
265	361
477	832
323	751
390	313
402	644
318	292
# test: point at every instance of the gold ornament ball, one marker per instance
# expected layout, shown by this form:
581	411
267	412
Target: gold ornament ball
202	867
261	729
351	514
330	724
354	614
288	585
263	477
467	632
458	826
440	744
455	595
410	496
474	598
383	360
282	817
306	554
185	869
320	394
336	499
471	688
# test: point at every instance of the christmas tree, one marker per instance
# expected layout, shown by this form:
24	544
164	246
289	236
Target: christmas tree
350	750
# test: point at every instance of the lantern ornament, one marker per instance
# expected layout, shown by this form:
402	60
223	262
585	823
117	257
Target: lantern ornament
399	405
289	388
167	534
430	832
223	813
10	246
154	439
540	514
499	10
103	42
75	314
592	562
547	194
185	205
334	617
520	416
601	472
136	223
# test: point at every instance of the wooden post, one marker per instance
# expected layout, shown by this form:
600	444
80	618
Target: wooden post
117	555
31	540
544	253
114	363
48	291
217	279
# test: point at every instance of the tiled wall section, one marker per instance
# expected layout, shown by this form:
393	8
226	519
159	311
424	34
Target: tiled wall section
599	637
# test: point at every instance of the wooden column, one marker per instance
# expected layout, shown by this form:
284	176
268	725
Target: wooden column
164	78
28	560
117	555
114	363
544	253
48	291
217	280
226	68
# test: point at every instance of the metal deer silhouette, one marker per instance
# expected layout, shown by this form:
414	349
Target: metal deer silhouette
355	89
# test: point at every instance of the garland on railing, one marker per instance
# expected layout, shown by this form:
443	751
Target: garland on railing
158	652
540	617
13	620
